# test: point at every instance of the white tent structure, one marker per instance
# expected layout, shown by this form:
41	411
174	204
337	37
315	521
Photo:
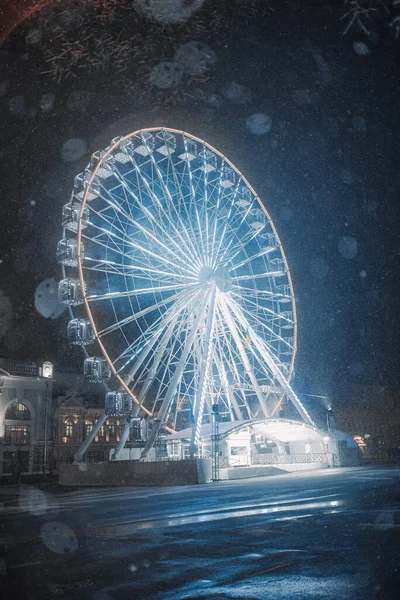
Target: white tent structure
258	447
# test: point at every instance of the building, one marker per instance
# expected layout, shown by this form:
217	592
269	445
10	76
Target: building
371	415
25	417
74	417
252	448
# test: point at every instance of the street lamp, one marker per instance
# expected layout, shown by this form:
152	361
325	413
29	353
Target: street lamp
215	441
330	418
47	373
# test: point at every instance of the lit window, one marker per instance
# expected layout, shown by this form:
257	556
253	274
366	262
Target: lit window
100	435
69	427
18	411
239	451
175	449
88	427
110	430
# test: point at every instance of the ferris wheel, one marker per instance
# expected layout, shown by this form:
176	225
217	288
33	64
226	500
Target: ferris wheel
177	284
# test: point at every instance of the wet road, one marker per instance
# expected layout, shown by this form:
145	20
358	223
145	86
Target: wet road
329	534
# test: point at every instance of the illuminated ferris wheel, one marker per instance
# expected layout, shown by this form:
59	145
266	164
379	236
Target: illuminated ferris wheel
178	284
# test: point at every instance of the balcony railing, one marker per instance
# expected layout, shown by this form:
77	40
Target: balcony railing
19	368
13	440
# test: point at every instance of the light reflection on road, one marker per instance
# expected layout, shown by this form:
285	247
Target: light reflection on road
218	515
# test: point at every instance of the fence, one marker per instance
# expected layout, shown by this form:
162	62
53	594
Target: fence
285	459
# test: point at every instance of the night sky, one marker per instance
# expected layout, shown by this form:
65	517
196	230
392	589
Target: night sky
327	171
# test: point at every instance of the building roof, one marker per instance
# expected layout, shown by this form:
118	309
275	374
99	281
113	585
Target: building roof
283	430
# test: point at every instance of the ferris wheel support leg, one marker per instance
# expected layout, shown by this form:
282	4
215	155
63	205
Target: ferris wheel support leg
244	357
79	455
271	364
122	442
153	341
156	362
175	379
204	373
232	403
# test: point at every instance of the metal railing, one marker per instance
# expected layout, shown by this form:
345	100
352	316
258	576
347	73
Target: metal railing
16	368
282	459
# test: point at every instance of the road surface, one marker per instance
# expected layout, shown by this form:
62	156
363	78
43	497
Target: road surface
331	534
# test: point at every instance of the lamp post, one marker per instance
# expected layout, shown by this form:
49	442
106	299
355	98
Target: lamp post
47	373
215	441
330	419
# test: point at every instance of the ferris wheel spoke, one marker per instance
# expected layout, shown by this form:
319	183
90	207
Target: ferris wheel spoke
177	372
139	292
160	207
152	370
196	234
228	244
236	308
138	315
112	202
229	356
172	358
153	331
276	370
225	220
156	223
104	217
205	365
169	354
124	270
276	316
262	252
258	276
219	362
165	376
266	295
214	219
131	244
239	246
184	226
170	316
155	239
192	239
245	359
131	265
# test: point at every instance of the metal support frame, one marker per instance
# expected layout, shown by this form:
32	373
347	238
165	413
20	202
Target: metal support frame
122	441
204	372
249	370
270	362
215	443
79	455
175	378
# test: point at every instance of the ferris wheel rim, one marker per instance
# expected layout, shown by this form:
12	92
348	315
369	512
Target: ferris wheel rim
88	309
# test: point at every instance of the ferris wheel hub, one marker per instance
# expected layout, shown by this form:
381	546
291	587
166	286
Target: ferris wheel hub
221	277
